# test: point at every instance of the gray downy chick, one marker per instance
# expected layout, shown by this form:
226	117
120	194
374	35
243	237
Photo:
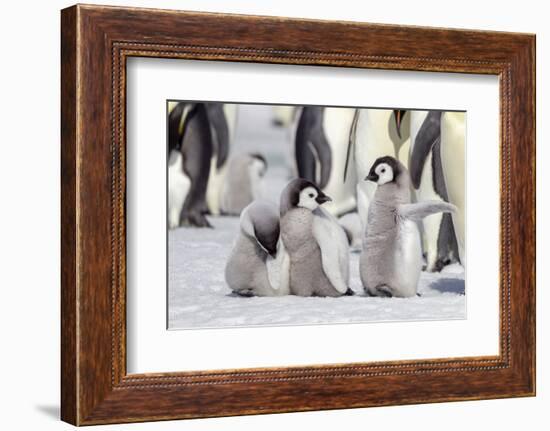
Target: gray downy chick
243	182
316	244
391	259
246	270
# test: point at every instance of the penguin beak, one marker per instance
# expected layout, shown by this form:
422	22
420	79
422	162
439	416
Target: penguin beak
322	198
398	114
372	177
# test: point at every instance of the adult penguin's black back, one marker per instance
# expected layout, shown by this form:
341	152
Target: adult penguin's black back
428	135
428	140
175	127
312	150
197	149
447	245
220	129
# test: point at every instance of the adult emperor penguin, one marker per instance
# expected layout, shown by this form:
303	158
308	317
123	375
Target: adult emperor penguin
321	141
178	188
375	133
391	259
285	118
243	182
427	178
316	244
178	182
246	270
176	118
312	150
453	142
223	118
188	171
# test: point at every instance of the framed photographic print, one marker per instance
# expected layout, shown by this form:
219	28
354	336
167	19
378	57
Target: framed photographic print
260	217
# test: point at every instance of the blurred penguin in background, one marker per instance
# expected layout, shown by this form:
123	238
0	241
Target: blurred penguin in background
439	241
353	228
223	119
375	133
243	182
453	141
178	182
286	117
190	150
283	115
321	142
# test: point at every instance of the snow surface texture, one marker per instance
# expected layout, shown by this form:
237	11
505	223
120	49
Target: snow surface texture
198	296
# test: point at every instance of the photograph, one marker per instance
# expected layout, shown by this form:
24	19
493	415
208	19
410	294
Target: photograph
306	215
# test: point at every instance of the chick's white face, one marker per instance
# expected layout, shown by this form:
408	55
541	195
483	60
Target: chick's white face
257	168
385	173
307	198
260	167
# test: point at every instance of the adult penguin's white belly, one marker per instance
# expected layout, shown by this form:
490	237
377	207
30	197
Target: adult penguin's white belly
231	111
336	125
372	140
408	256
178	187
453	140
217	175
285	118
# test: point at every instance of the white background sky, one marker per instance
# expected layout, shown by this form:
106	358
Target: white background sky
29	216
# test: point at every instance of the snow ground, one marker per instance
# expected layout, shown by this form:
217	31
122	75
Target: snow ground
198	296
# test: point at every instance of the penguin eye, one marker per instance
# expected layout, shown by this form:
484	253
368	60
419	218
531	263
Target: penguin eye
311	195
383	170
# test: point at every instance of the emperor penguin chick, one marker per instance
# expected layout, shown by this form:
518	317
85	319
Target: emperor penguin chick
246	271
391	260
316	244
243	182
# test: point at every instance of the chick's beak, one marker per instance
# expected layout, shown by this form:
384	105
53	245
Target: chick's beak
322	198
371	177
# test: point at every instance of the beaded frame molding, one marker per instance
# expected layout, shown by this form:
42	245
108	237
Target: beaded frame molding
95	43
